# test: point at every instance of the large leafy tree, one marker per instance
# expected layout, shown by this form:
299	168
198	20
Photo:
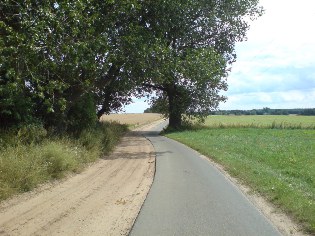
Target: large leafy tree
56	55
48	55
62	60
190	48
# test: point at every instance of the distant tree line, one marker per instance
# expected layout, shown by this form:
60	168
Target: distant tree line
267	111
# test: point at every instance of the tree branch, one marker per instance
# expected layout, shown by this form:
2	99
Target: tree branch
154	86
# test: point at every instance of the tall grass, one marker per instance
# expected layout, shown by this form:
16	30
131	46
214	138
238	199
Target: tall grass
29	156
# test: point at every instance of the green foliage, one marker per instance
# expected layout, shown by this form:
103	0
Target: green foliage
277	163
103	137
31	134
28	158
158	105
53	55
27	134
190	52
57	159
82	114
15	105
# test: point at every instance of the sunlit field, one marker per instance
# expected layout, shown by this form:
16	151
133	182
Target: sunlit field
277	161
132	119
267	121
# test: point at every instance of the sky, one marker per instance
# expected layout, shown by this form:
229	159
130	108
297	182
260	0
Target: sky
275	67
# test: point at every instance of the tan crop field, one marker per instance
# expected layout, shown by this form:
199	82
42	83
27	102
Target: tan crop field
133	119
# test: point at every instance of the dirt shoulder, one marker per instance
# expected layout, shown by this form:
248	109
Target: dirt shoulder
103	200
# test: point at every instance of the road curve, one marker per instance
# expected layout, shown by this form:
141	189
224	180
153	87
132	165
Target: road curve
189	196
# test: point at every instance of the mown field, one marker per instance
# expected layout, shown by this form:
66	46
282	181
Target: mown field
274	155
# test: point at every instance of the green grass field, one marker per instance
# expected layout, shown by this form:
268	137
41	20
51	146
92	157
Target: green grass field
278	161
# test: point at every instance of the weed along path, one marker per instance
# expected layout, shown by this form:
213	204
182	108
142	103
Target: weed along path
189	196
104	199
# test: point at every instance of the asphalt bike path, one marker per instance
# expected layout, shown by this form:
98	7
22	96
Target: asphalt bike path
189	196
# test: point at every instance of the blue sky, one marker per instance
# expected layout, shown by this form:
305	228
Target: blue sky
275	67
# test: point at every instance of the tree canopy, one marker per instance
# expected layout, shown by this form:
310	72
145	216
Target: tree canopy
65	63
190	52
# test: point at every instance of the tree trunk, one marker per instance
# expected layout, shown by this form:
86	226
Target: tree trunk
175	115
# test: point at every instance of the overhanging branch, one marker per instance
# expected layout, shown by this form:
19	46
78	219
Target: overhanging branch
154	86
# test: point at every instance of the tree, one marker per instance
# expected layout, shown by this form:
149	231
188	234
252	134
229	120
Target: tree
189	51
56	53
47	54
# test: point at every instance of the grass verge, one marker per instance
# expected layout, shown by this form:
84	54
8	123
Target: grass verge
29	157
278	163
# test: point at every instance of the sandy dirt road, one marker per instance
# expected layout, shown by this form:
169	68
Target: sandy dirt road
103	200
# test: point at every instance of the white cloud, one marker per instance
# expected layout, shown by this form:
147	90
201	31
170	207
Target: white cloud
286	21
277	63
265	98
256	100
294	96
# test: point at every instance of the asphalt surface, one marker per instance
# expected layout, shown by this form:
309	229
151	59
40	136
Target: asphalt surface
189	196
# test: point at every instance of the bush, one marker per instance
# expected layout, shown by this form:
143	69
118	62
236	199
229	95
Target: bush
20	169
57	158
32	156
26	134
16	106
103	137
31	133
82	114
